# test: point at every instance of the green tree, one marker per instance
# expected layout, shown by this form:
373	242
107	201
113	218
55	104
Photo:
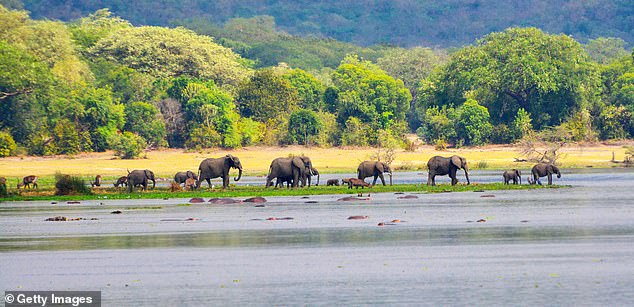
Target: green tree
145	120
614	122
438	125
369	94
605	50
473	124
546	75
309	90
303	125
266	95
7	144
354	133
522	125
410	65
127	145
87	31
163	52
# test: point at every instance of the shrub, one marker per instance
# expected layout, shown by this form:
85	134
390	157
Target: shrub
7	144
127	145
66	185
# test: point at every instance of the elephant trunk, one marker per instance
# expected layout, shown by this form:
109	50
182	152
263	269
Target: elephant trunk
466	174
239	174
153	183
317	179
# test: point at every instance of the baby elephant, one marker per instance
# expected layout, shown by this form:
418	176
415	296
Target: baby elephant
513	175
354	182
332	182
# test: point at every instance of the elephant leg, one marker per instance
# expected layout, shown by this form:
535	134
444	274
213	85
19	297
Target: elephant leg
208	182
375	178
430	179
225	182
550	179
382	179
452	174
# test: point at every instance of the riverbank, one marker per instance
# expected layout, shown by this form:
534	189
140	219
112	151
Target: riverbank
256	160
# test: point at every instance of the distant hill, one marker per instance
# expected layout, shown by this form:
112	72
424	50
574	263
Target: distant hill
447	23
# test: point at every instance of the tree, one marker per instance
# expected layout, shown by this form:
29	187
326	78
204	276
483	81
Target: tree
473	124
266	95
87	31
163	52
521	126
127	145
438	125
7	145
546	75
410	65
145	120
302	126
366	92
309	90
605	50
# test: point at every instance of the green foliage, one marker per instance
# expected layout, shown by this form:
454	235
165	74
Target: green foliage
615	122
355	133
410	65
202	136
68	139
250	130
266	95
438	124
164	52
521	125
518	68
473	124
369	94
605	50
303	125
7	145
88	30
501	134
70	185
127	145
145	120
309	90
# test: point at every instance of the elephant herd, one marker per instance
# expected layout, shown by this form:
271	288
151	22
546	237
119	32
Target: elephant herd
297	172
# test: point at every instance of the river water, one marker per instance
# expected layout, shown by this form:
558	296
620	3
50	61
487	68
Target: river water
568	246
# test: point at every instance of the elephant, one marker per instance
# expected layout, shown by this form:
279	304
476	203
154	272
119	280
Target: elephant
312	172
545	169
332	182
97	182
140	177
440	166
374	168
513	175
123	180
28	182
180	177
279	182
211	168
294	168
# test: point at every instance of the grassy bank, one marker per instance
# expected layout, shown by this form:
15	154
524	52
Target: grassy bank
250	191
256	160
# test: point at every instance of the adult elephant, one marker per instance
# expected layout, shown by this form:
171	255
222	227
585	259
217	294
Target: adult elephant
140	177
512	175
374	168
545	169
219	167
181	177
294	168
441	166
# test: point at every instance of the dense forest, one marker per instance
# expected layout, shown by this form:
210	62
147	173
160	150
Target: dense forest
405	23
98	82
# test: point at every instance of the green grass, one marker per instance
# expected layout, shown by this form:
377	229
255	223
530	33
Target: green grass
250	191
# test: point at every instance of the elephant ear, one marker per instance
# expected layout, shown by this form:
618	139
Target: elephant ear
298	162
457	161
380	166
148	173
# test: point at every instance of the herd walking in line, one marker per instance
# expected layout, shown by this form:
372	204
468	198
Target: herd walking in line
297	171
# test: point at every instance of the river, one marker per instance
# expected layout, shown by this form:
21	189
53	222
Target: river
567	246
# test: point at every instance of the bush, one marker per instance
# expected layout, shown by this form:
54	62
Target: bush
7	144
127	145
66	185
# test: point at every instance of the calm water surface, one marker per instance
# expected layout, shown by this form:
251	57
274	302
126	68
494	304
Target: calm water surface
570	246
